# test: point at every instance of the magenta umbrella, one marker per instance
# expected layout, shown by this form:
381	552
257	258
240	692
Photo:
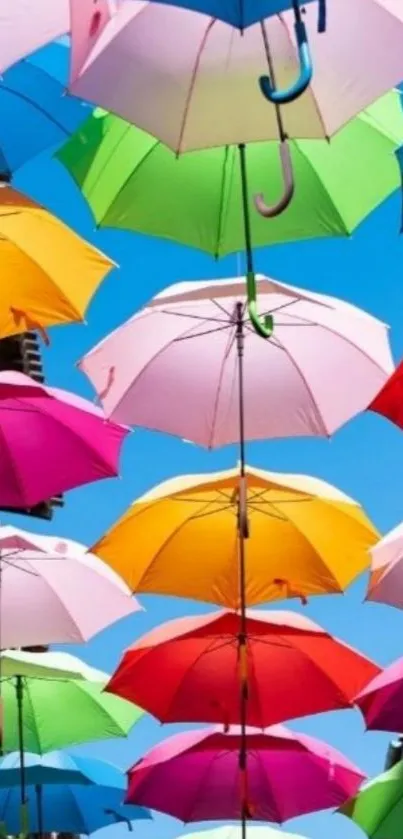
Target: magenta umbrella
196	776
381	701
51	441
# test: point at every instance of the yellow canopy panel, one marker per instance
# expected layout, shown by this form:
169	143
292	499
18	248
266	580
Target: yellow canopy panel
180	539
48	274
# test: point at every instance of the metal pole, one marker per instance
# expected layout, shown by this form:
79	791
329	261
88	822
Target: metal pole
19	691
242	535
245	209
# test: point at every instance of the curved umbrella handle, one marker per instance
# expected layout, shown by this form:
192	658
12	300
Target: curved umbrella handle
263	326
120	819
283	97
289	186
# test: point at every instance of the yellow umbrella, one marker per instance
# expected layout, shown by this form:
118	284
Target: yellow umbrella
304	538
48	274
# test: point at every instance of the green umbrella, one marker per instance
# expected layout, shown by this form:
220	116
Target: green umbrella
378	807
52	700
204	198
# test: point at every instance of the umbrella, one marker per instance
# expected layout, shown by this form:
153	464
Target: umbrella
31	95
64	597
24	31
198	666
69	442
198	88
49	274
386	580
378	807
305	538
65	793
196	776
389	401
381	701
52	700
195	342
206	202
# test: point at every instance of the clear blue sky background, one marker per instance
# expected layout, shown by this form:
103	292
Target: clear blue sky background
365	459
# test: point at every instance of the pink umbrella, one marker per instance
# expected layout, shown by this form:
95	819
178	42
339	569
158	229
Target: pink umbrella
51	441
64	597
198	87
196	776
381	701
386	580
25	27
194	344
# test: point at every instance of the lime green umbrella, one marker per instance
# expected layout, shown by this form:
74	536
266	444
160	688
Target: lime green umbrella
204	198
53	700
378	807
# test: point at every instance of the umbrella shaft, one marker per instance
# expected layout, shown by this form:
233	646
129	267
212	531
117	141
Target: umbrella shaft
19	695
245	208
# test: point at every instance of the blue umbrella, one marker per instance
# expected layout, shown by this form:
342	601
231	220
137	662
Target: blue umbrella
65	794
34	112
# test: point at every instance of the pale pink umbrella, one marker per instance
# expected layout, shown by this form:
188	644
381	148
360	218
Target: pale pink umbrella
196	776
64	595
192	81
27	25
386	579
194	345
51	441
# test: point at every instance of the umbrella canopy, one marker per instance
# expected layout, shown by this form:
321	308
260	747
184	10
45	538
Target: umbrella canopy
196	776
381	701
63	703
199	88
180	538
49	274
198	666
31	95
23	32
69	442
64	793
183	346
64	597
120	170
378	808
389	402
386	580
233	831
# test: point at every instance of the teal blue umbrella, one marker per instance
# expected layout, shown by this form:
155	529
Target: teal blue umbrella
65	794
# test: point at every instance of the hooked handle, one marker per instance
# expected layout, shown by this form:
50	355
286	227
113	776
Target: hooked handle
263	326
119	818
283	97
289	186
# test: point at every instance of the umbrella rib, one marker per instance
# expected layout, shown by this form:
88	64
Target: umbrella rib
203	318
192	85
35	106
226	355
227	162
201	334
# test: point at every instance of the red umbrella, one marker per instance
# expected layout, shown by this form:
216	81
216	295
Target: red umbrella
389	402
199	669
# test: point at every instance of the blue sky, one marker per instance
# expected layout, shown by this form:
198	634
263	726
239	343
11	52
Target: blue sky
365	459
